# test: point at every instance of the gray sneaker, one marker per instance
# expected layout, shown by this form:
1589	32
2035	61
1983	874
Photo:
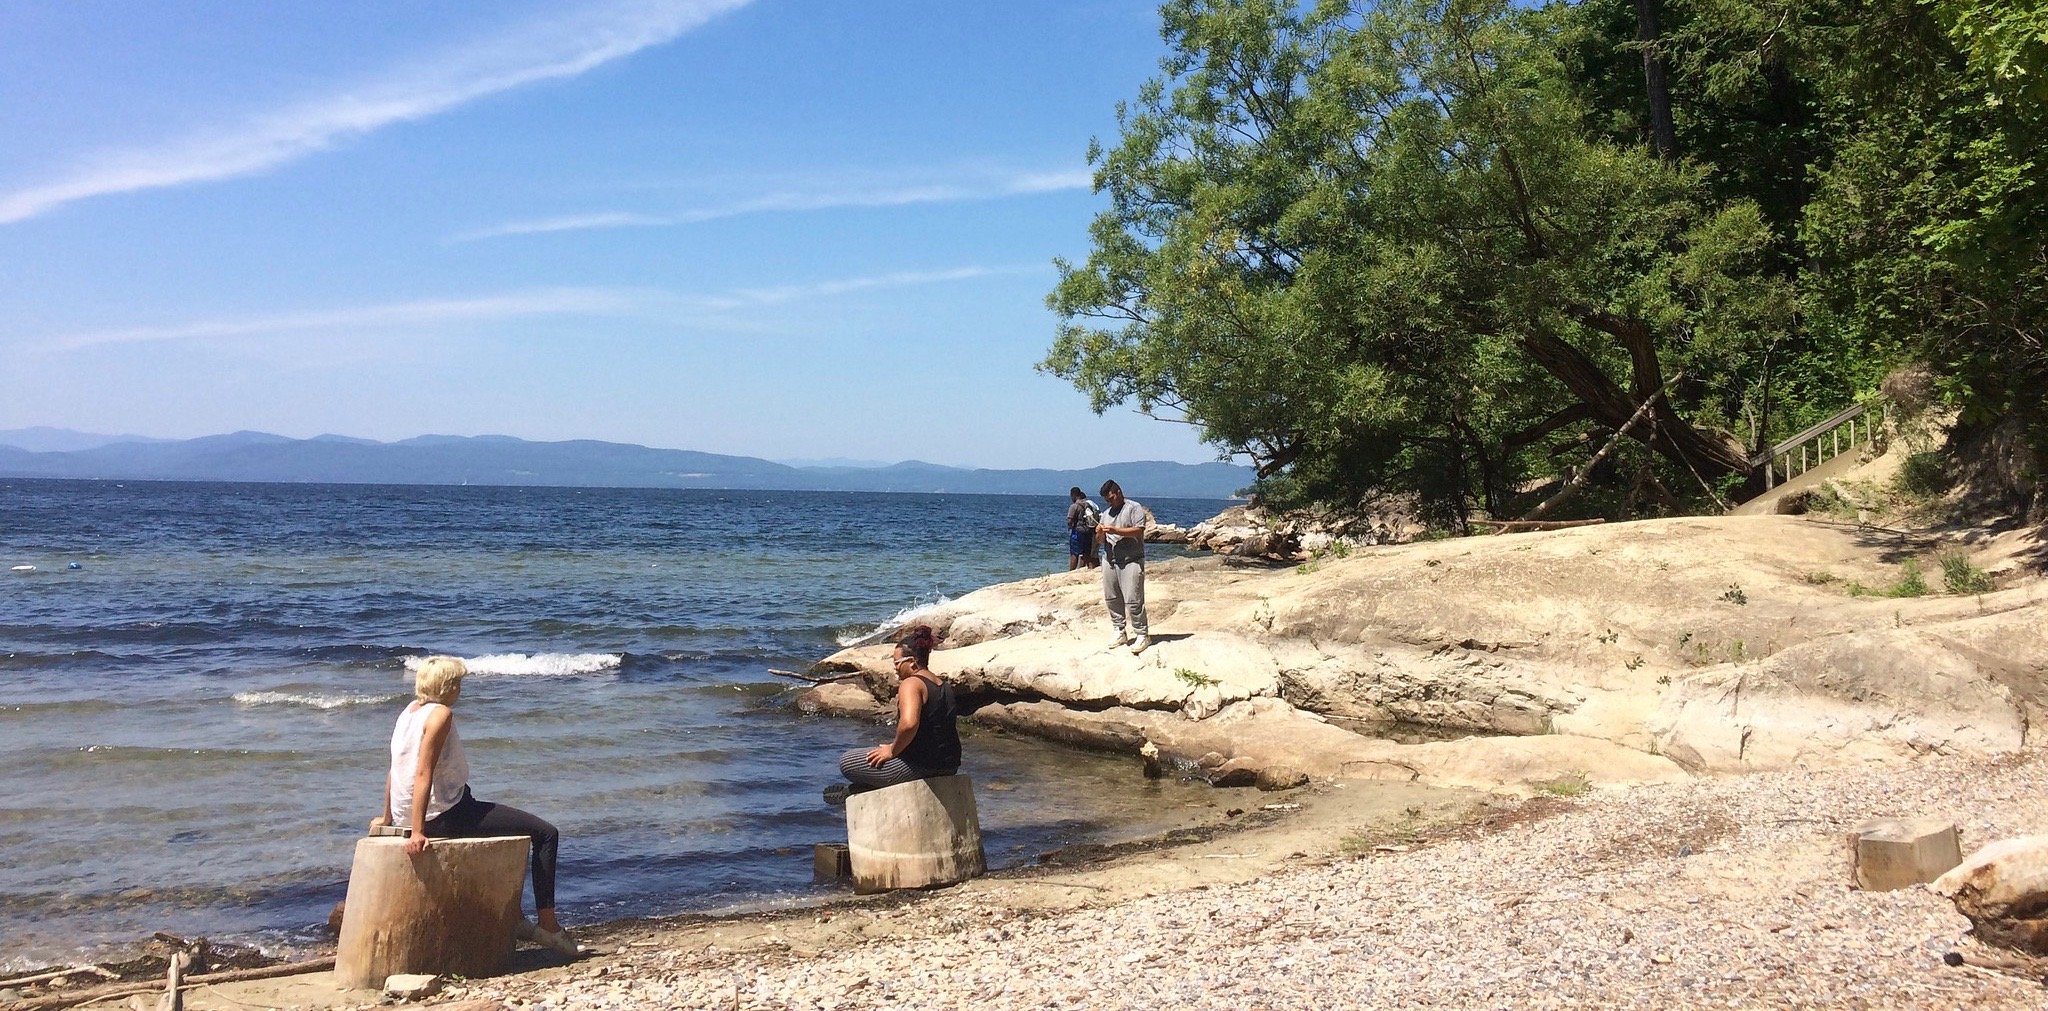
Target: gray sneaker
1138	646
1120	640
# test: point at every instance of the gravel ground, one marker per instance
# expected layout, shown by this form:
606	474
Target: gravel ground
1717	893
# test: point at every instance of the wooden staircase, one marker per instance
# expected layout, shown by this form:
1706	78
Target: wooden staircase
1853	426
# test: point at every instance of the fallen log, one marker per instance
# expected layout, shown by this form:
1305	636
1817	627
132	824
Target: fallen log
98	993
1516	526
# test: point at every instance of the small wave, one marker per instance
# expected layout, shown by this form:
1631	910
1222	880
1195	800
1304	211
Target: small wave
850	639
536	664
42	710
95	753
316	700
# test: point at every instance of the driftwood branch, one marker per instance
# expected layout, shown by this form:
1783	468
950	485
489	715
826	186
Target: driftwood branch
2013	964
1572	486
811	678
54	973
174	979
75	997
1516	526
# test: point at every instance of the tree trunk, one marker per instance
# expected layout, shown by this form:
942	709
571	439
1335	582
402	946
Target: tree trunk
451	909
1571	487
1656	86
1712	454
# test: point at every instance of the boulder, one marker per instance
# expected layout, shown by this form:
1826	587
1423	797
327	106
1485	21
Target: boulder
1165	533
1055	722
1237	772
840	698
1877	694
1268	743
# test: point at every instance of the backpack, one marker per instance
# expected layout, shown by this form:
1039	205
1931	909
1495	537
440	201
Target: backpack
1091	517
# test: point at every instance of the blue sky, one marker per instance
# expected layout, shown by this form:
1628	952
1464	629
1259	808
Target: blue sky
780	228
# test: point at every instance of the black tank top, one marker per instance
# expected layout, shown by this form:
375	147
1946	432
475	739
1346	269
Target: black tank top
936	748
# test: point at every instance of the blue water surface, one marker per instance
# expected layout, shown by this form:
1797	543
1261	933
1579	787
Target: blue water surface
193	722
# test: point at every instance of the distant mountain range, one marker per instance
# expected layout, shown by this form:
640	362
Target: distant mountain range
503	460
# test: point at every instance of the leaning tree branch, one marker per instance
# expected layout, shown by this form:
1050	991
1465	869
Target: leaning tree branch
1572	486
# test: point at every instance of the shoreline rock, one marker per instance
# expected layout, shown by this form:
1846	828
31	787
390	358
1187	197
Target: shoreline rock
1622	653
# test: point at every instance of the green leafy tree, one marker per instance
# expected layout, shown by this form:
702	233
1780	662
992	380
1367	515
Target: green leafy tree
1375	247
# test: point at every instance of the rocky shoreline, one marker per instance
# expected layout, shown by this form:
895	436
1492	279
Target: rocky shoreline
1721	891
1478	772
1627	654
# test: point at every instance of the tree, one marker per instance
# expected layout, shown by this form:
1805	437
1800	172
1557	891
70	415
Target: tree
1375	247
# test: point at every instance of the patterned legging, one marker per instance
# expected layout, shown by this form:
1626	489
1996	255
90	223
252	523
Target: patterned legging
854	766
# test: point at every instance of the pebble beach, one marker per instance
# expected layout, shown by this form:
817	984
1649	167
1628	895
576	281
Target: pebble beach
1729	892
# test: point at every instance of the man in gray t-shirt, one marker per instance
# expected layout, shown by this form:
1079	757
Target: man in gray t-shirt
1122	529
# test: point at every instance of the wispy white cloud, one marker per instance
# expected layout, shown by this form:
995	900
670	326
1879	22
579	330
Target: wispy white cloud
826	289
510	305
977	188
427	315
560	47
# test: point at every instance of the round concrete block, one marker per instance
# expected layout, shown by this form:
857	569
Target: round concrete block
914	835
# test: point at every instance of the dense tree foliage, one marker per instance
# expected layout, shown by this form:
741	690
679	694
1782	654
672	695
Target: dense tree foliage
1452	248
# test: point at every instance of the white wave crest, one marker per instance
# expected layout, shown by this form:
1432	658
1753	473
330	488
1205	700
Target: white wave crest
316	700
535	664
889	625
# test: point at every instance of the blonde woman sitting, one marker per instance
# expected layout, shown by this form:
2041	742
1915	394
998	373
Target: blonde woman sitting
427	792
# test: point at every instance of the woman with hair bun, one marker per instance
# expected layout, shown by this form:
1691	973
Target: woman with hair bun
927	741
427	792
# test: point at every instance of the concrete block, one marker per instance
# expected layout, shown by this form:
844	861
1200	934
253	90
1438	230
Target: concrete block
914	835
1889	853
830	862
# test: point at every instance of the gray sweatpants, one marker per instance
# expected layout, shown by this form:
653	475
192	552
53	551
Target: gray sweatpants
1123	586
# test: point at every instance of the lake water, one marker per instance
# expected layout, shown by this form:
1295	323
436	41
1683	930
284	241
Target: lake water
194	721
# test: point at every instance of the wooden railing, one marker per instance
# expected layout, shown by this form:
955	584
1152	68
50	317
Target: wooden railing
1820	443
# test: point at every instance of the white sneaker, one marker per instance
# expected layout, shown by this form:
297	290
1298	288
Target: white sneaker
558	941
1120	640
1139	645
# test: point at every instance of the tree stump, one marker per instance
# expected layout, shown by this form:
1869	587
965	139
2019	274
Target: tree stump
1892	853
2003	889
451	909
914	835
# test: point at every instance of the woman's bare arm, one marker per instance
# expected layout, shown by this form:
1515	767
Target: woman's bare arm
909	707
432	737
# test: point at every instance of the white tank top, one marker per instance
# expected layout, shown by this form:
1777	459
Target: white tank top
451	772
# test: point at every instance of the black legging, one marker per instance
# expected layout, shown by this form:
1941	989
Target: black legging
471	817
